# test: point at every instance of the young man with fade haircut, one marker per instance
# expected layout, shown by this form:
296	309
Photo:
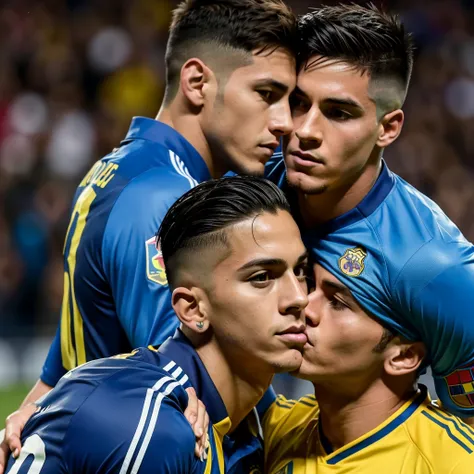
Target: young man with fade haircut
230	69
237	268
401	257
367	415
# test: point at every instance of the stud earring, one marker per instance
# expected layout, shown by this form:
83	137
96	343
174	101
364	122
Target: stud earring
200	324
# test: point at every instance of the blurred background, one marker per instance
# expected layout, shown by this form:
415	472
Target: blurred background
74	72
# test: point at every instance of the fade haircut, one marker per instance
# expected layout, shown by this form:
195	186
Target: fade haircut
372	40
199	220
202	28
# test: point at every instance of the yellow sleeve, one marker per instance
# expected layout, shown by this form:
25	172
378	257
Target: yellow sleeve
286	426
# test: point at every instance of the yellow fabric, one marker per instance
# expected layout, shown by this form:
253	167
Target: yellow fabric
420	438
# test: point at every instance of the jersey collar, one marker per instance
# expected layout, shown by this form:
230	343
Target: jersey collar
180	350
387	427
158	132
365	208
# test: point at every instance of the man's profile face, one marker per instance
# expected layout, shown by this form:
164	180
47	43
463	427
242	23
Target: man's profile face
335	126
341	336
257	294
251	111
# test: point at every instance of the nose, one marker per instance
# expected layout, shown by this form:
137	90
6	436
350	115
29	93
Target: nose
294	296
281	121
308	131
313	309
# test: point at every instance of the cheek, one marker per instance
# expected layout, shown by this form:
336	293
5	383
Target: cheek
342	336
353	142
241	311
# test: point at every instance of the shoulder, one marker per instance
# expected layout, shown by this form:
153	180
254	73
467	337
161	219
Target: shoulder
143	203
287	426
444	440
162	181
137	415
289	418
439	262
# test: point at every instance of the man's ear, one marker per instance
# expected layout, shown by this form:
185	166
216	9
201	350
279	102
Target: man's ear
190	305
404	358
197	82
390	128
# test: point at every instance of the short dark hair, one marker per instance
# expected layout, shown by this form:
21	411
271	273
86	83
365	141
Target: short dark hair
369	38
245	25
199	219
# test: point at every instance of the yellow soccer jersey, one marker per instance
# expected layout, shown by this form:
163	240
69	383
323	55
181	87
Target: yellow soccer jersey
419	438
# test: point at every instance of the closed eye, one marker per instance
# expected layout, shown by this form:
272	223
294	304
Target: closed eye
338	114
337	304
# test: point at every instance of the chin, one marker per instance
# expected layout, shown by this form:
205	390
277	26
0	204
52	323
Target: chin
308	371
305	183
289	363
250	169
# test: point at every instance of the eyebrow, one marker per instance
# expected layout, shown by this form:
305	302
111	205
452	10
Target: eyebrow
280	86
346	101
333	100
271	262
339	287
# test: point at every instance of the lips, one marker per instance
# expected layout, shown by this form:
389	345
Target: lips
293	330
306	157
294	335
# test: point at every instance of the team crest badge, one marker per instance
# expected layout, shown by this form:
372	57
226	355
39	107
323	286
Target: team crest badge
460	385
352	262
155	267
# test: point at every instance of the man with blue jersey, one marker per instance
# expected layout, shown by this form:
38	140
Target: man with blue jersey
230	70
402	259
236	265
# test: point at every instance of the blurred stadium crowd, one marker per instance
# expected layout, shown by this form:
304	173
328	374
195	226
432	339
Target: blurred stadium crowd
74	72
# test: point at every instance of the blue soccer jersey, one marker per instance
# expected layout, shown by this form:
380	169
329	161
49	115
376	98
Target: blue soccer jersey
407	264
116	295
124	415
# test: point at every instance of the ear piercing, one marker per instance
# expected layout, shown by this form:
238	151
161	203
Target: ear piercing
200	324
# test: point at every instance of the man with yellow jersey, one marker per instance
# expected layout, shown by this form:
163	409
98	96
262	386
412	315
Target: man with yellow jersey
368	416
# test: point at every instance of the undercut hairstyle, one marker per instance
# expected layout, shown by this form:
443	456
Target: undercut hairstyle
372	40
199	220
202	28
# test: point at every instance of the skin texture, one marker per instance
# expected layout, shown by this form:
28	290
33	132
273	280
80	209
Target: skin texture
234	118
251	295
337	128
341	337
250	111
357	382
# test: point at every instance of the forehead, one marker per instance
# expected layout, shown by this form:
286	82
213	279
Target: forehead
321	78
266	236
272	65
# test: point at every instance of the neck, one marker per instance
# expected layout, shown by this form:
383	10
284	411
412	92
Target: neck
345	418
318	208
187	124
239	389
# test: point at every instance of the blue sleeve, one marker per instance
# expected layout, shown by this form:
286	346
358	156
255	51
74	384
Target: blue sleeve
53	368
133	266
129	424
445	306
